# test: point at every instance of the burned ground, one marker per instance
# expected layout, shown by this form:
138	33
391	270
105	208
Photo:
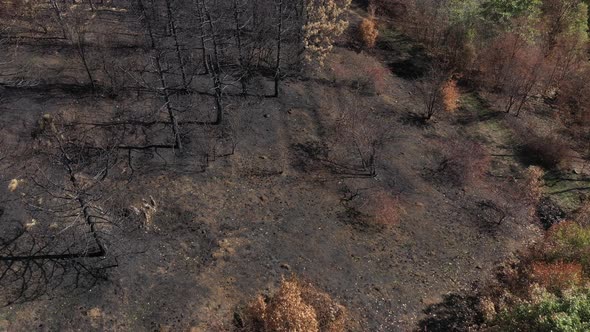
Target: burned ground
227	224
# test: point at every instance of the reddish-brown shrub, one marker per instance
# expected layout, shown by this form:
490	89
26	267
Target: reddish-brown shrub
450	96
534	184
368	32
582	215
464	163
429	89
556	276
377	75
532	188
386	209
573	98
361	72
296	306
512	68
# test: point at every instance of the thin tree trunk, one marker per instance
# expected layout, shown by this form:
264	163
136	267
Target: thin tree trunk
60	19
218	91
82	54
214	67
238	34
279	46
201	18
173	29
163	83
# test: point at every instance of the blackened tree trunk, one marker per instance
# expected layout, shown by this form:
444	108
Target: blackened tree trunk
162	78
174	31
279	46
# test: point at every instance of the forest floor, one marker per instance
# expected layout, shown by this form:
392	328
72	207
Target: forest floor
275	208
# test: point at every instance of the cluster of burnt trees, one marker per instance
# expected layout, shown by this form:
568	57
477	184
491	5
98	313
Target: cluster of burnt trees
57	230
167	69
205	48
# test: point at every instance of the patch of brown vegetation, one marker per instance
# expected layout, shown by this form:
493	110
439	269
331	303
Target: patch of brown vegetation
582	215
360	72
556	276
387	209
450	96
368	32
534	184
296	306
464	163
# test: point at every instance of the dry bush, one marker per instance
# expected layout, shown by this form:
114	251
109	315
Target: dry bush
549	213
547	152
386	209
392	8
534	184
145	212
355	138
375	210
582	215
573	101
14	184
361	72
296	306
430	89
513	69
450	96
556	276
378	76
464	163
368	32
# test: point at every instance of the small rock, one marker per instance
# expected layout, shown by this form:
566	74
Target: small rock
266	116
285	266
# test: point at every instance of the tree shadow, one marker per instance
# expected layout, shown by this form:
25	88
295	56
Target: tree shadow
457	312
415	119
409	69
314	156
466	119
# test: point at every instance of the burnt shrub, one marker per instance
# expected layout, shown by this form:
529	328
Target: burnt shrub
549	213
374	210
457	312
548	152
464	163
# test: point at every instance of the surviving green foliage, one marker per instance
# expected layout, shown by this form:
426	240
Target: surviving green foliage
520	16
569	242
549	313
502	11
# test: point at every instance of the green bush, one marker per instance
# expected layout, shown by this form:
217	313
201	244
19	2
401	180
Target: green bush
568	242
569	312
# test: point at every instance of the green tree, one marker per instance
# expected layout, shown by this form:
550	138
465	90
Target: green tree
520	16
547	312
